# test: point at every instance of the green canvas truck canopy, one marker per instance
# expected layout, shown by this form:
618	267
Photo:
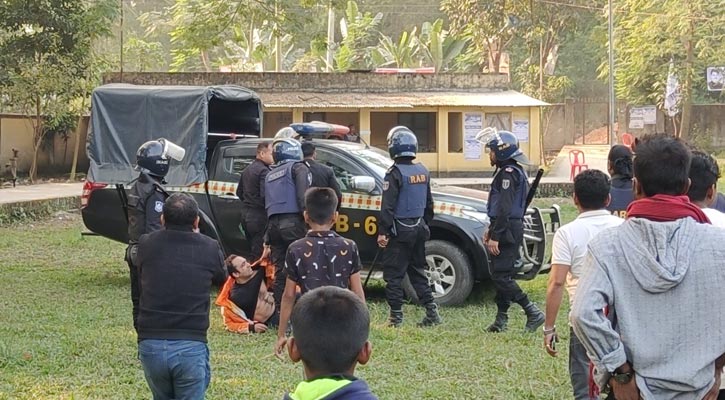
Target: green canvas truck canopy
124	116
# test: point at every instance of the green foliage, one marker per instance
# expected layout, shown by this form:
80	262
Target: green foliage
440	48
46	53
358	31
400	54
650	34
60	124
240	34
490	26
554	86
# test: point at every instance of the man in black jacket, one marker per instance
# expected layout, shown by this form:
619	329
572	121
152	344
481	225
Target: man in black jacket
145	201
322	175
250	191
177	268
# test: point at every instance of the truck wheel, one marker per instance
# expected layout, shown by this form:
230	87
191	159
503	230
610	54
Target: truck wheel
448	269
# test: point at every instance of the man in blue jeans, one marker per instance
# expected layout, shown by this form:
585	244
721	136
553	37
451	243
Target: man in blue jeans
177	268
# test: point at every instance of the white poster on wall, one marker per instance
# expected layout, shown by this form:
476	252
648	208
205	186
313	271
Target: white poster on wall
636	118
521	129
650	115
472	124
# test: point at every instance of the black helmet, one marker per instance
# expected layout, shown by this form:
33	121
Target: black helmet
286	150
402	142
153	156
503	143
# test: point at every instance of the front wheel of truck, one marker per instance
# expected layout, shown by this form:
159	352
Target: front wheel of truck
449	274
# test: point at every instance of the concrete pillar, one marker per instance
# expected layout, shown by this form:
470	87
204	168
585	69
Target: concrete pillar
297	115
364	127
535	132
442	141
569	107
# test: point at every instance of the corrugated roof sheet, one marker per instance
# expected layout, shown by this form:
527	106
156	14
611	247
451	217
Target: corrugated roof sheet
508	98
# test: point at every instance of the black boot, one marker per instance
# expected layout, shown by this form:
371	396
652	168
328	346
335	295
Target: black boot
431	316
499	325
395	319
534	317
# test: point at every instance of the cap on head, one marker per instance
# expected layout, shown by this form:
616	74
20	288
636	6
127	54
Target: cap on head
402	142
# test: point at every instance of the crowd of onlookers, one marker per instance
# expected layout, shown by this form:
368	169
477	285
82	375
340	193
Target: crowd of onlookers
645	290
641	265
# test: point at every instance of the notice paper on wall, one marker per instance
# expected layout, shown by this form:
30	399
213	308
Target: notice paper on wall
636	118
650	115
521	129
472	124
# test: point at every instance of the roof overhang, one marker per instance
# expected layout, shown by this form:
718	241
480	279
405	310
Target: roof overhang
506	98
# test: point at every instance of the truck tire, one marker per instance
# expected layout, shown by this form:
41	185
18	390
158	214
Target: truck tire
450	268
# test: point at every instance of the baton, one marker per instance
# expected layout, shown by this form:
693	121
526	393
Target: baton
534	186
372	268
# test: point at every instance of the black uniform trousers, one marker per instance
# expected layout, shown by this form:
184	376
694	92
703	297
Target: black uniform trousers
130	258
405	253
502	267
254	222
283	229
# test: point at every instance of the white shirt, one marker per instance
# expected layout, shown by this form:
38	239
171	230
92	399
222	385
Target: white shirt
716	217
570	243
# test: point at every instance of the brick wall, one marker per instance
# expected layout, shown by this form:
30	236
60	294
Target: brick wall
320	82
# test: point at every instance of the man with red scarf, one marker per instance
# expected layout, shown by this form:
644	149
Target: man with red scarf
659	274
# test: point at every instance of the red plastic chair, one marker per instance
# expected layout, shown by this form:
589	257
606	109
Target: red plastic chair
628	139
575	163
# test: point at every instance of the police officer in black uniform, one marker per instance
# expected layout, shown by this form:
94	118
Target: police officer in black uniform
146	201
250	191
406	211
322	175
620	166
284	197
506	209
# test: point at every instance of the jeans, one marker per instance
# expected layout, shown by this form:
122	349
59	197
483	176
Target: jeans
175	369
578	368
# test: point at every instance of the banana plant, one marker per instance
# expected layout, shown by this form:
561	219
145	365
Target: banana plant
400	54
439	47
357	29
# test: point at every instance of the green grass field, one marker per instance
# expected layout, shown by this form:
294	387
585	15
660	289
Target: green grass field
65	333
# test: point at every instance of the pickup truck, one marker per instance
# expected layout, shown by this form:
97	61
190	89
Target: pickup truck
456	257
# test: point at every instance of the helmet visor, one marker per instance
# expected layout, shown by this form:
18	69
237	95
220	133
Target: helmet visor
286	133
486	136
173	151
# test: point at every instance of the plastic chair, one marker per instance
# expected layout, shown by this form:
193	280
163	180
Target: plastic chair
575	163
628	139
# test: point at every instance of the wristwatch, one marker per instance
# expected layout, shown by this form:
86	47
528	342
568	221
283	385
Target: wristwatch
623	377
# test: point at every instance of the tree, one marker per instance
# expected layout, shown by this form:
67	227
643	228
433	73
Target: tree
490	26
44	51
358	31
650	34
210	33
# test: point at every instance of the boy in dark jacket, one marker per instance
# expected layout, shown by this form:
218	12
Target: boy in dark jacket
331	327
